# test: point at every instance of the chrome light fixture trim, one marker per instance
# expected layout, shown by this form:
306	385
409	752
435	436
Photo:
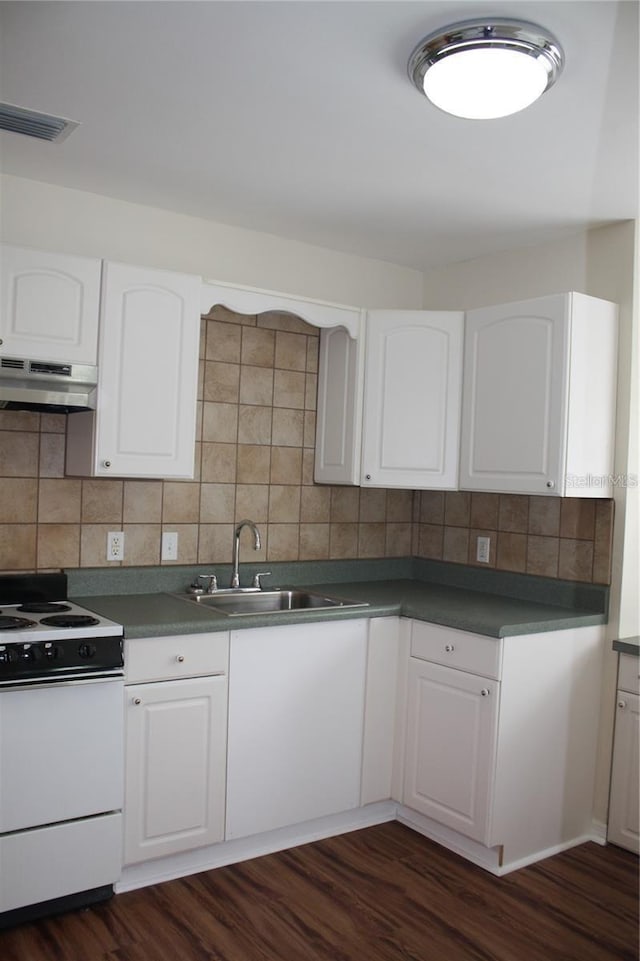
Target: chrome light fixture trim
514	37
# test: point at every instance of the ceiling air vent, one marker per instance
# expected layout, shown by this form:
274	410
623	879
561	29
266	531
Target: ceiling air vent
42	126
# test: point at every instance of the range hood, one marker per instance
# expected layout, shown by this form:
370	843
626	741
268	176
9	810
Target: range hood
42	386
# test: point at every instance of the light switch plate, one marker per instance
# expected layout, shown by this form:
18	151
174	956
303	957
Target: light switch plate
483	549
169	546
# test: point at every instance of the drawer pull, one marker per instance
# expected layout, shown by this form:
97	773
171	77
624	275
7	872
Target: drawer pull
180	658
485	692
449	648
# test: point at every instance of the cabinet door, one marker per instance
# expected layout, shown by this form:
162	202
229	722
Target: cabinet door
339	420
450	752
624	819
296	707
412	397
148	376
515	392
49	306
175	766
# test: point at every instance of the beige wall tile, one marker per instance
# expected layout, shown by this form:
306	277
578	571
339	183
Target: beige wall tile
18	547
19	453
252	502
311	392
287	428
18	500
219	463
544	516
457	508
291	351
512	551
20	420
102	502
223	341
142	502
217	503
343	540
315	505
254	464
373	505
258	347
215	544
371	540
575	561
254	425
314	542
542	555
53	423
313	350
432	507
286	465
93	546
141	544
398	540
603	543
256	386
52	453
283	542
309	434
58	545
187	543
455	546
345	504
484	511
431	541
399	506
284	504
308	466
221	382
288	389
59	501
513	513
220	422
474	534
577	518
181	502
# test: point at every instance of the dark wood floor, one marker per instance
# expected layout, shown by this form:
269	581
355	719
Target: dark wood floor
381	894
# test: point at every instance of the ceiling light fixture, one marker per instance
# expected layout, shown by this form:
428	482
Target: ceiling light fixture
483	69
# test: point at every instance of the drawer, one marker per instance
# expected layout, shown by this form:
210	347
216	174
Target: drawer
629	673
180	655
467	652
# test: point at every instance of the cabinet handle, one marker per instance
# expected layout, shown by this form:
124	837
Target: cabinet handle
449	648
550	485
622	704
180	658
106	463
485	692
137	700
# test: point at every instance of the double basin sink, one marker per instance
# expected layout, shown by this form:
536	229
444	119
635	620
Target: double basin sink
256	601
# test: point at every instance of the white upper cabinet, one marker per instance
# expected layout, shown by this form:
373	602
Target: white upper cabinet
339	414
144	425
412	397
49	306
539	397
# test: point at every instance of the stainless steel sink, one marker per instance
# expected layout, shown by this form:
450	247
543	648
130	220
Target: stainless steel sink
236	603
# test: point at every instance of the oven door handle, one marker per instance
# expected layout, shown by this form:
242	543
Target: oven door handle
35	685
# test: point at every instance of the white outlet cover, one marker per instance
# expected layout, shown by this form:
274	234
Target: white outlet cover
169	546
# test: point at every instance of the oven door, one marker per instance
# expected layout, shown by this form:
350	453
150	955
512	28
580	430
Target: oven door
61	752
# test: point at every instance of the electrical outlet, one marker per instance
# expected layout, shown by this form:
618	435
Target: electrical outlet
115	546
482	549
169	546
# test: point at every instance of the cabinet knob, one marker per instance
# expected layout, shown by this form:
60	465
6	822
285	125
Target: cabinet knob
180	658
622	704
449	648
551	485
137	700
367	476
106	463
485	692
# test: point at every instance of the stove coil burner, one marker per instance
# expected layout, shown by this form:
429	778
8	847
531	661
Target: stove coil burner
8	623
43	607
69	620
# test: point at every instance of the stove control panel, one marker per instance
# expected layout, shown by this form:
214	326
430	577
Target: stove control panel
48	660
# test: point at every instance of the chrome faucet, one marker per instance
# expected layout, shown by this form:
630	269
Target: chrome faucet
235	577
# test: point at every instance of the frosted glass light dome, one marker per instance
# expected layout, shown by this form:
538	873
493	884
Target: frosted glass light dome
482	71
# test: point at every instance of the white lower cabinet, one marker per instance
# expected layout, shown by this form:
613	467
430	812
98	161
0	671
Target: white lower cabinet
296	707
624	814
175	746
501	737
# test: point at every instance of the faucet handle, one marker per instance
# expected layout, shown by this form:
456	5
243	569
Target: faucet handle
197	588
256	578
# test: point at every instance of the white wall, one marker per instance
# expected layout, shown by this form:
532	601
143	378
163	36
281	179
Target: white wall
42	215
603	263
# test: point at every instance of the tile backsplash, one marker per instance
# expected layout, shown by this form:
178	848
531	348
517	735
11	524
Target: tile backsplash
254	458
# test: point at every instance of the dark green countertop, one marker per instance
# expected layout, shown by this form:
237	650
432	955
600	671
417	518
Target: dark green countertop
480	612
627	645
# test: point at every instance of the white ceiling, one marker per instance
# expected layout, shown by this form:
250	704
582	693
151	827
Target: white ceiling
298	118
